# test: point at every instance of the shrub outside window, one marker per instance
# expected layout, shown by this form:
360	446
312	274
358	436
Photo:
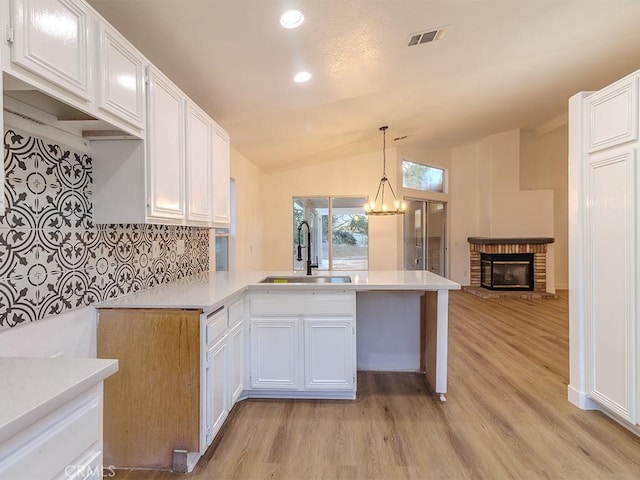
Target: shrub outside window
347	247
422	177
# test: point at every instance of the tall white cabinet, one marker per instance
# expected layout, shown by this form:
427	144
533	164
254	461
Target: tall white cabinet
604	241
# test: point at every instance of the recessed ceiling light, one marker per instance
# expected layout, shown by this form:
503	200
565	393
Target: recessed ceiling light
291	19
302	77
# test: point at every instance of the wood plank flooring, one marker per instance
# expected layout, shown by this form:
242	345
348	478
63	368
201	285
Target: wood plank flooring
506	417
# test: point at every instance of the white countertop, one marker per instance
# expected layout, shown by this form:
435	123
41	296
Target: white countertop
208	290
34	387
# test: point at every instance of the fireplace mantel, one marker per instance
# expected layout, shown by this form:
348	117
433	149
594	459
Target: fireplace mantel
494	245
506	241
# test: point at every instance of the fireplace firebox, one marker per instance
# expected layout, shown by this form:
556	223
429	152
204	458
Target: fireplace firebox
500	271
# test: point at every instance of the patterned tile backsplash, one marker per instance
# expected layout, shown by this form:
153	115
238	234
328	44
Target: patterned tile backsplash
53	258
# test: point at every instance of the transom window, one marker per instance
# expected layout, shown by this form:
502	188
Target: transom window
347	247
422	177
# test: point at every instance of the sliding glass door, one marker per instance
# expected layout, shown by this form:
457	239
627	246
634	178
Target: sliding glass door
339	232
424	231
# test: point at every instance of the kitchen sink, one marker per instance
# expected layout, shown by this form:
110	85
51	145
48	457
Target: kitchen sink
307	279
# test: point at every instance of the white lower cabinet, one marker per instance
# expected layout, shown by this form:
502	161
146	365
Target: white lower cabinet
67	443
217	387
274	353
302	344
236	340
328	350
223	360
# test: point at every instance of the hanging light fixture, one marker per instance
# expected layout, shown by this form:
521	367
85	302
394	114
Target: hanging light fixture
375	208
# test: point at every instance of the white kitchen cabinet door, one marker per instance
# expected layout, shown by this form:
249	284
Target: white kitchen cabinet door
329	353
274	353
221	177
2	174
51	40
199	163
121	68
166	152
611	259
613	115
236	371
216	388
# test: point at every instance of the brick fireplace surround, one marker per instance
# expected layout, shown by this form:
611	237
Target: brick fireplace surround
535	245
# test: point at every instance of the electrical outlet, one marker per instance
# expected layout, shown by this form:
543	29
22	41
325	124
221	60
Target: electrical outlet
155	249
180	246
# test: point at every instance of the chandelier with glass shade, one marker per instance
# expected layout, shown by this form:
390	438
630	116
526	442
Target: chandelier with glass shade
382	208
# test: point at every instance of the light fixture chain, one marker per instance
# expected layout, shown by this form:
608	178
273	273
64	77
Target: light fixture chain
384	151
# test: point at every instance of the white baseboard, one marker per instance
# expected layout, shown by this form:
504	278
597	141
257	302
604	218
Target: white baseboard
581	400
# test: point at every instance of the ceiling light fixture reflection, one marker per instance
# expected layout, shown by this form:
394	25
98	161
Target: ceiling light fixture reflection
291	19
302	77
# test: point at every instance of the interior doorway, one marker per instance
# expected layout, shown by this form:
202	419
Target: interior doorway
424	233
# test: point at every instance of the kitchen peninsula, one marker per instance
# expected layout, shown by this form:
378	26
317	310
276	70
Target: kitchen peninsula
219	337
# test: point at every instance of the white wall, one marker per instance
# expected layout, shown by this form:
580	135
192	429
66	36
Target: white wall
465	209
543	165
248	235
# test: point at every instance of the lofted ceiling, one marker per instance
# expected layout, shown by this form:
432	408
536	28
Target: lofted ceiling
501	64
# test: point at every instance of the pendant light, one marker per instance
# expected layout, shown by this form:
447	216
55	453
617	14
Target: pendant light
375	208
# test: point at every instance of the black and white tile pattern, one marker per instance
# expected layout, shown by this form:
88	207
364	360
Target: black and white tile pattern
53	258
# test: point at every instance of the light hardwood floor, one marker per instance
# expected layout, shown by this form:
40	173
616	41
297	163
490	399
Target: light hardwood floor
506	415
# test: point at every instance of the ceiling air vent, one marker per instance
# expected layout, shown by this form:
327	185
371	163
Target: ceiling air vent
425	37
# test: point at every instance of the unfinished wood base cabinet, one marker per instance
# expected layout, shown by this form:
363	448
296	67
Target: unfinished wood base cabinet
181	371
152	405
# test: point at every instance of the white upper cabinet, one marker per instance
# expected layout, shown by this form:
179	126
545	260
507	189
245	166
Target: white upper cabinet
166	148
221	177
158	158
613	115
51	39
121	71
198	163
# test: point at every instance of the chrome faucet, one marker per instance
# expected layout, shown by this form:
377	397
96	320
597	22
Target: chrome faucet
308	247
